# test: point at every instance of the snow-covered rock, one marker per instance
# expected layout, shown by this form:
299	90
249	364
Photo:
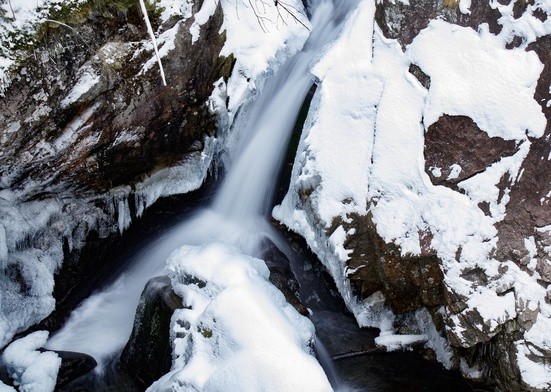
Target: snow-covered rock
31	370
419	179
89	137
236	332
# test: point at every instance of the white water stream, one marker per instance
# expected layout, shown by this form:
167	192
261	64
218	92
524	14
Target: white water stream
101	325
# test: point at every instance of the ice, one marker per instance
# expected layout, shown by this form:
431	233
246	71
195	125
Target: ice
238	332
31	370
87	78
398	342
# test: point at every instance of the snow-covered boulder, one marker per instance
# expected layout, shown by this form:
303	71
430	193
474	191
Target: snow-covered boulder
236	331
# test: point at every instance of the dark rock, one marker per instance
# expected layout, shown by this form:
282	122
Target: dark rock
408	282
148	354
457	140
404	21
281	275
73	365
342	337
161	124
529	203
422	77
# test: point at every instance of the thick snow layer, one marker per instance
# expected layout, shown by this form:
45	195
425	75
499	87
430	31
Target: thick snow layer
31	370
537	375
344	102
473	75
260	35
237	332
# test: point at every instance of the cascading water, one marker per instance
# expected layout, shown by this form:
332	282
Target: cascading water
102	323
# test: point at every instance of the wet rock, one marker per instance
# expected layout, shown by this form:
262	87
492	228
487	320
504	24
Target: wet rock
82	124
342	337
148	354
281	275
407	282
122	127
73	365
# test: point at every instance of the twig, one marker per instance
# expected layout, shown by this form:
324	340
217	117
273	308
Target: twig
153	39
286	7
11	8
352	354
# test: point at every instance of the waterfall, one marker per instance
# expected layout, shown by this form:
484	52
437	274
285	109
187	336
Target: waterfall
102	324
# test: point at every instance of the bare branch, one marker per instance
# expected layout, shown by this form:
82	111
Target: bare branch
153	39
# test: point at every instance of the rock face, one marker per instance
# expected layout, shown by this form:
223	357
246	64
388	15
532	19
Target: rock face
148	354
433	205
89	137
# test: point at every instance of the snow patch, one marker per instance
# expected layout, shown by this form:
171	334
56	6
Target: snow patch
87	78
472	74
32	370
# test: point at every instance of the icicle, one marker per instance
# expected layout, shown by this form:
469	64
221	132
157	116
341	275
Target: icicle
123	214
3	248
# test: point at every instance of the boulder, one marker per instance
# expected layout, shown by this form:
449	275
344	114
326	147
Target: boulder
147	355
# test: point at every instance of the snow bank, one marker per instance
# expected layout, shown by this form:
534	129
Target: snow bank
31	370
237	332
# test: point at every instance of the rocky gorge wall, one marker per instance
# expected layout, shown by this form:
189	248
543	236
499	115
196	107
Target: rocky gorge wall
90	137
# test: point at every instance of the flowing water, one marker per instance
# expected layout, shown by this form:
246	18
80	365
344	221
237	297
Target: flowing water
101	325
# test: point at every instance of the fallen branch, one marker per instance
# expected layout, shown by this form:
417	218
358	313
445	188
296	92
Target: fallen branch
153	39
352	354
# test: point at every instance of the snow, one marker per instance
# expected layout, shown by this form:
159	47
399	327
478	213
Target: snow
166	43
473	75
6	388
87	78
259	35
345	101
537	375
31	370
236	332
527	26
464	6
172	8
399	342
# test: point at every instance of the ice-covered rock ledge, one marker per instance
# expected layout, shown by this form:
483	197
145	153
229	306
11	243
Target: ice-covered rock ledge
422	180
89	137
